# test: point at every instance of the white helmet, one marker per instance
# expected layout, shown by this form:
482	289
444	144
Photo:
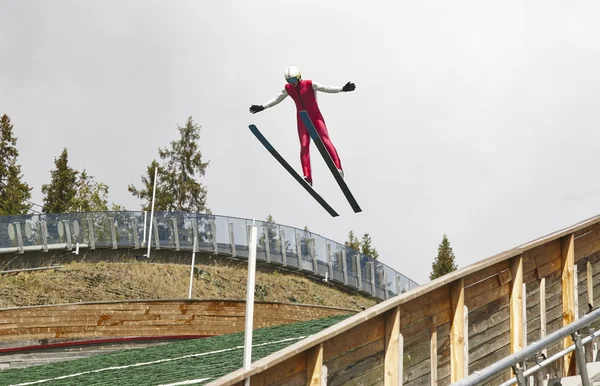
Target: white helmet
292	72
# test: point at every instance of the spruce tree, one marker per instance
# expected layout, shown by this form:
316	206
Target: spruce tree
14	192
352	242
182	164
444	263
367	248
60	193
90	196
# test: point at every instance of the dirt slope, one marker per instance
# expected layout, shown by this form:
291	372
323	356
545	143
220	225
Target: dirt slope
85	282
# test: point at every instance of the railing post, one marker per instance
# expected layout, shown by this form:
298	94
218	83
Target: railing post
195	235
91	233
232	240
134	233
373	290
175	233
267	244
213	236
329	261
113	232
283	249
345	266
44	229
19	237
156	239
299	251
313	252
580	357
385	285
358	273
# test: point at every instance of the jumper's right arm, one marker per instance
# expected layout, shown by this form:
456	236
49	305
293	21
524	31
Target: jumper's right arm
258	108
278	99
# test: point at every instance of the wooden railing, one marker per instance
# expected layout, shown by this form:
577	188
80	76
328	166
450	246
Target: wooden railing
51	325
455	325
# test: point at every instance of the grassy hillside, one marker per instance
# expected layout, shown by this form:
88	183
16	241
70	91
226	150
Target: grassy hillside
84	282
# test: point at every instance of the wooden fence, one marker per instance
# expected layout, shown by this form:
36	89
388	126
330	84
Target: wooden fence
50	325
454	325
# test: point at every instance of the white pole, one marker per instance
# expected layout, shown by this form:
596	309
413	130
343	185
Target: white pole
250	300
152	213
192	268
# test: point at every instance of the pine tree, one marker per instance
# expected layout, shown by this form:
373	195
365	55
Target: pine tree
366	247
177	188
61	191
14	193
90	196
352	242
444	263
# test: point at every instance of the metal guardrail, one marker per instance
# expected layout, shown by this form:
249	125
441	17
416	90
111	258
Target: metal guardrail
280	245
496	369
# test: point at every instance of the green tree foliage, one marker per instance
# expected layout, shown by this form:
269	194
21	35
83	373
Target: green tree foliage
364	246
444	262
177	188
367	248
60	193
352	242
90	195
14	193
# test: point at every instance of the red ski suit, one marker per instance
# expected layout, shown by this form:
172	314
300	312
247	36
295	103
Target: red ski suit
304	95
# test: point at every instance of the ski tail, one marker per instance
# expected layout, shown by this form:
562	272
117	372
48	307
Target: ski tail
291	170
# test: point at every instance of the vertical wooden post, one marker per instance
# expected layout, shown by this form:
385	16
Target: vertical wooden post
433	352
590	285
314	366
391	375
457	342
568	297
543	312
516	304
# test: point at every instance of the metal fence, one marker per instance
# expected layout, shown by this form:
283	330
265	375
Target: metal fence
290	247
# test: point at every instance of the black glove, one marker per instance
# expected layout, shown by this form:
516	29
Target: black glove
349	87
256	109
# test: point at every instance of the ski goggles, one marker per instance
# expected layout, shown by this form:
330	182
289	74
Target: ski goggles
292	80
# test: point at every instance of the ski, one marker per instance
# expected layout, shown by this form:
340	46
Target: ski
319	143
291	170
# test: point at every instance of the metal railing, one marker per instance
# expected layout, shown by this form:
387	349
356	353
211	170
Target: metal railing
531	351
281	245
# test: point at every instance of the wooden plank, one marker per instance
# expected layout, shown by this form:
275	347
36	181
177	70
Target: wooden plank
433	353
282	370
357	336
483	274
516	304
392	336
488	297
340	365
457	294
568	297
314	365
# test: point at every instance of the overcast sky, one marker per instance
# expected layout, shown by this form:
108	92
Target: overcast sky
477	119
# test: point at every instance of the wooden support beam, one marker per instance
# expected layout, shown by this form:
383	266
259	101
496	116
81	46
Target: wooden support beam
590	285
516	304
543	312
392	361
314	366
433	352
568	297
457	341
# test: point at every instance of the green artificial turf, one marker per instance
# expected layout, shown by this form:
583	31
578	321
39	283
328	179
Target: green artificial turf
210	365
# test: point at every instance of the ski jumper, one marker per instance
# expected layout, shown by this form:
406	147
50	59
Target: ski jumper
305	97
